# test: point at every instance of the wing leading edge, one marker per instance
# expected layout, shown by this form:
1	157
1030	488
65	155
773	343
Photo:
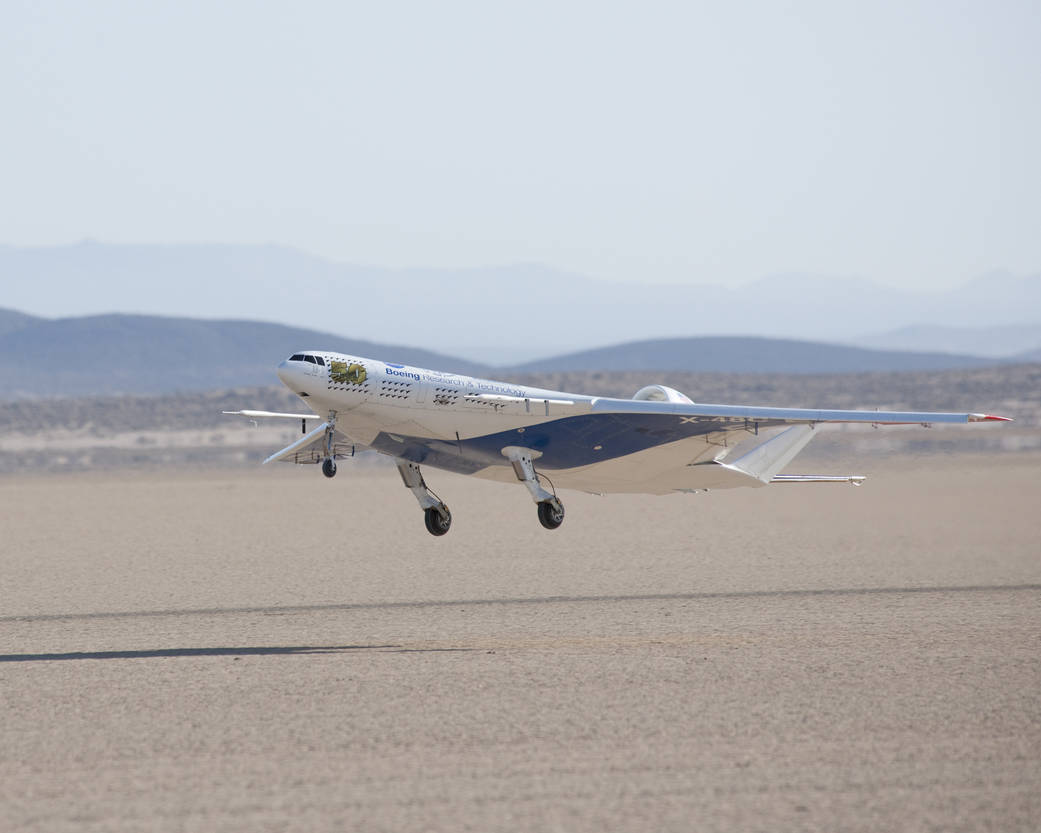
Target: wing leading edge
785	415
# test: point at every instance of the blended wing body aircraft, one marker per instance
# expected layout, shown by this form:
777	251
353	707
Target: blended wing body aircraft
655	443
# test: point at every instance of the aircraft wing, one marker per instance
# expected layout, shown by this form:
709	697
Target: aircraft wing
311	447
270	415
729	414
660	446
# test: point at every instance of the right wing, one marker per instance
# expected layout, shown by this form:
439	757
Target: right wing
266	414
311	447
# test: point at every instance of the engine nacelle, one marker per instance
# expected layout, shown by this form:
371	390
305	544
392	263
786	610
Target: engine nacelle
660	393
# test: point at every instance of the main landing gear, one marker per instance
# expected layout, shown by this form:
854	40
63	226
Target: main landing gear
551	510
436	515
329	467
439	520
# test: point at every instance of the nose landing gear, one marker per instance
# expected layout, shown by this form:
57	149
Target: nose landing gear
329	461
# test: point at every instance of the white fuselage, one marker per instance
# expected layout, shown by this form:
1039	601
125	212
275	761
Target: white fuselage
461	423
389	397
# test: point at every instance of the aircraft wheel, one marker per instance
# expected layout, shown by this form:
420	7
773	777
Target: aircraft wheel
329	467
438	521
551	514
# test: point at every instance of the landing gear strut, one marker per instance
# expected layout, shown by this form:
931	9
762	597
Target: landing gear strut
329	461
551	510
436	515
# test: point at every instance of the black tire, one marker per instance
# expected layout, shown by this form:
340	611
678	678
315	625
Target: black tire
438	521
551	516
329	467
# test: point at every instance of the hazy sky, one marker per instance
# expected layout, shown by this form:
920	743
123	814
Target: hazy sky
694	142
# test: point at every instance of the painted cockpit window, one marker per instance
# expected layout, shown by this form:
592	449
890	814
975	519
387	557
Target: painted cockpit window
296	357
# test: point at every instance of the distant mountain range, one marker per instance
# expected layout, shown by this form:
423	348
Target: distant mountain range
508	314
996	342
109	354
113	354
10	321
730	354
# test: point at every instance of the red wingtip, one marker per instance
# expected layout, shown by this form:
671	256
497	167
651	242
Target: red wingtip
983	417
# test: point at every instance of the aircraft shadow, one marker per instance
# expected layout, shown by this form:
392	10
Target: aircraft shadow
195	652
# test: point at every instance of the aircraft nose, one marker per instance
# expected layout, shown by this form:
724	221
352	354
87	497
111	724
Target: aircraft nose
284	372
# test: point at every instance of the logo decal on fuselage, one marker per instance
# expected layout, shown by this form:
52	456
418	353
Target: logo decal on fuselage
344	374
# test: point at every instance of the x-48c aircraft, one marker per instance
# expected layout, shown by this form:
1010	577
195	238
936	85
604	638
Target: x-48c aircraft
655	443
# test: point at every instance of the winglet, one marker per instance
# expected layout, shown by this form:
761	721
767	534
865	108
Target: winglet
984	417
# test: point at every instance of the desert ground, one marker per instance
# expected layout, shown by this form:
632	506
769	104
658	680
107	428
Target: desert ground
206	650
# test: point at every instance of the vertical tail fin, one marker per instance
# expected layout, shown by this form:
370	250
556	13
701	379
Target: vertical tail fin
768	458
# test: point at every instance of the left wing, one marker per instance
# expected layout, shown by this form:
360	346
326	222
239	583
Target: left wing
661	446
779	416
